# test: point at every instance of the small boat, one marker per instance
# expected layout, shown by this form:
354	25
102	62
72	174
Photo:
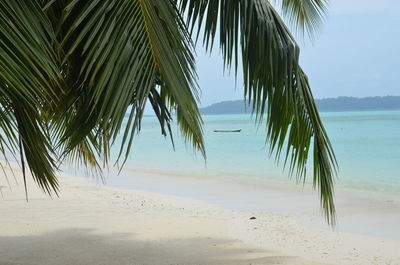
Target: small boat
228	130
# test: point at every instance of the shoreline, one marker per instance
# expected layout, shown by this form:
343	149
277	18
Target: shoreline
275	182
358	211
164	227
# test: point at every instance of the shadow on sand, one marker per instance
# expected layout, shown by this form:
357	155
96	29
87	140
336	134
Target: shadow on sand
85	247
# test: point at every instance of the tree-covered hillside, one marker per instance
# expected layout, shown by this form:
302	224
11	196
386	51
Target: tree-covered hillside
328	104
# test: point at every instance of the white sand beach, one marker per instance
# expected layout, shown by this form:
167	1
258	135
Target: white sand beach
92	224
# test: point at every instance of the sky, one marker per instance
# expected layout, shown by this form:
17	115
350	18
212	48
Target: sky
356	53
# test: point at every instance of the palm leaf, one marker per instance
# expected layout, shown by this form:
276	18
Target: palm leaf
274	82
116	54
29	86
304	14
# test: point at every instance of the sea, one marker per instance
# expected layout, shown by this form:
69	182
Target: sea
366	144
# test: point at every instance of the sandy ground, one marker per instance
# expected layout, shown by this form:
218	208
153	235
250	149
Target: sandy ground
92	224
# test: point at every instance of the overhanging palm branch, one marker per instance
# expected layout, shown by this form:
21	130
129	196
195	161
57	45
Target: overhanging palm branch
29	86
274	82
86	63
119	53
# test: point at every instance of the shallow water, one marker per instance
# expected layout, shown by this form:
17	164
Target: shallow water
367	146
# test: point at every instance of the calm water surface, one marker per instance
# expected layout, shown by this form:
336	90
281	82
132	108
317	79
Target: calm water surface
367	145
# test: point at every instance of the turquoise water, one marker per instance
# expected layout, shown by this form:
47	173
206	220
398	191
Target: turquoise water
367	145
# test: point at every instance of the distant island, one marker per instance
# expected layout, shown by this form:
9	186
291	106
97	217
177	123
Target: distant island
323	105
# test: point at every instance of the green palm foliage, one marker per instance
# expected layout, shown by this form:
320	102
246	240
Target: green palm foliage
71	69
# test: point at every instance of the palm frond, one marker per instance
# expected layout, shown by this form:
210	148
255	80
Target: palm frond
274	82
29	86
116	54
304	15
